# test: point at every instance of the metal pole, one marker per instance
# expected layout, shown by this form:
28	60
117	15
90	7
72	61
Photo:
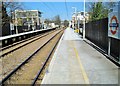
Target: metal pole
84	23
109	44
38	18
119	53
42	23
78	23
32	23
16	23
75	16
11	23
28	20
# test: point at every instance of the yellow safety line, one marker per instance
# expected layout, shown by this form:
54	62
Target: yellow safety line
81	67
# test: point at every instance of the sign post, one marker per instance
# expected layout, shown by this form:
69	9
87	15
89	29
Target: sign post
119	52
109	44
11	28
114	26
16	21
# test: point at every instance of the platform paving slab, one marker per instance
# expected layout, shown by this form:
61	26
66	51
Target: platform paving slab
76	62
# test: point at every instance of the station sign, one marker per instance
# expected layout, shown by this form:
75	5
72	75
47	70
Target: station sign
11	26
114	22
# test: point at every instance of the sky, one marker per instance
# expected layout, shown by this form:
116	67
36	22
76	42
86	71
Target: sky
51	9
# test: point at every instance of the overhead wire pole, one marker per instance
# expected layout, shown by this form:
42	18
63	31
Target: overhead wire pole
84	23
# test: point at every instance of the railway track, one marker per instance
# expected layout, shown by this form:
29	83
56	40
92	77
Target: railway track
38	76
11	48
10	61
37	60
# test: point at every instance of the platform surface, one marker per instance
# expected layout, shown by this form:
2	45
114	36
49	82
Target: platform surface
76	62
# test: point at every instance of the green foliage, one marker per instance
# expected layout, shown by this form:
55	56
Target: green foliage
97	11
66	23
7	9
5	18
100	10
12	6
47	21
57	20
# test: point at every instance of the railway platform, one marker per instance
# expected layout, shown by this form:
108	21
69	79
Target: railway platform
76	62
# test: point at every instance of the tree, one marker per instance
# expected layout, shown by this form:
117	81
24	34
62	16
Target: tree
109	5
12	6
99	10
66	23
57	20
5	18
47	21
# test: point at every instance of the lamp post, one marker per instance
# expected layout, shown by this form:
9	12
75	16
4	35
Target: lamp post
33	23
75	14
16	21
84	23
42	23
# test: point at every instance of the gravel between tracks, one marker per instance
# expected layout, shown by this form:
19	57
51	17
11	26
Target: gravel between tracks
10	61
23	43
28	72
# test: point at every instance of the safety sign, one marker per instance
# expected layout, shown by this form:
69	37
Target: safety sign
114	23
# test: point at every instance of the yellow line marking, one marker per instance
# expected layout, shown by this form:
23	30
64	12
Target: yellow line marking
81	67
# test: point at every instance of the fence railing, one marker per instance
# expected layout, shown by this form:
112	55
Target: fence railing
6	29
10	39
97	32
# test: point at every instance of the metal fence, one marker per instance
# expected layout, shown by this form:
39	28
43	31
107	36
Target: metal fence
6	29
97	32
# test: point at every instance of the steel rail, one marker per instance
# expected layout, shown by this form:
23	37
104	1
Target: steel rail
9	46
42	32
41	36
18	67
43	66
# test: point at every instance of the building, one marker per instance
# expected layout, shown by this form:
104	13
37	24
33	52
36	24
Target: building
78	19
30	18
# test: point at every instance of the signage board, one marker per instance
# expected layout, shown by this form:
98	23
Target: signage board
11	26
114	22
